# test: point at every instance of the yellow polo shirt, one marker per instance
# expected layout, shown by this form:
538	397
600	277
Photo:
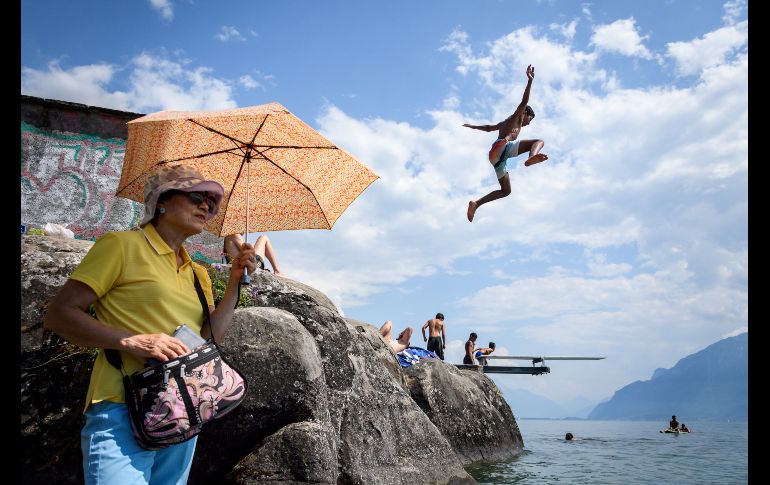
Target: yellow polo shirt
140	288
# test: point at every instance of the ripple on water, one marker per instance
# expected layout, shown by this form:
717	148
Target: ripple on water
623	452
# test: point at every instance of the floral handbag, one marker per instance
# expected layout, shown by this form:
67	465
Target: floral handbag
171	402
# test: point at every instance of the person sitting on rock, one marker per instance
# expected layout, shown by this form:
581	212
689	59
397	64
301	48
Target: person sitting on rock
402	342
262	249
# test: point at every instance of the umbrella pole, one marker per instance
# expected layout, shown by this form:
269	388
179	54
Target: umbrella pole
245	278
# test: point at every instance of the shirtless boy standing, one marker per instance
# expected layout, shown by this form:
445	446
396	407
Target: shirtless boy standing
436	332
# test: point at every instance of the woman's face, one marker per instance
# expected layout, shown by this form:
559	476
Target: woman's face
188	211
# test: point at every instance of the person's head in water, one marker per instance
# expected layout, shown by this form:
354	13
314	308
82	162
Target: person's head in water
473	337
568	437
529	114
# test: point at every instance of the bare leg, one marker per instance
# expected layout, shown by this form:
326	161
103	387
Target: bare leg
231	248
265	249
386	330
534	147
505	190
402	342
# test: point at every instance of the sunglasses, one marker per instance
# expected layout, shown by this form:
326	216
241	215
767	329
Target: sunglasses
198	197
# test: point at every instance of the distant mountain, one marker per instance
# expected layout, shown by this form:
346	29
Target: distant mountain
525	404
711	384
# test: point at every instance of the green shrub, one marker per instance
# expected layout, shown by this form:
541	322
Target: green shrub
219	276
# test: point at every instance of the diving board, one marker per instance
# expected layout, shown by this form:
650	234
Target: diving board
534	370
504	369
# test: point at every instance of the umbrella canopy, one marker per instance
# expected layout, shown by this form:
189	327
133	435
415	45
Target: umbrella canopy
277	172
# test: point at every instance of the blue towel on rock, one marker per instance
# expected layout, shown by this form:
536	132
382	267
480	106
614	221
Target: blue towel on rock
412	355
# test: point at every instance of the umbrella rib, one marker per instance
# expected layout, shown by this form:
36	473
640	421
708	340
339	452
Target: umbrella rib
240	170
302	184
332	147
238	143
230	150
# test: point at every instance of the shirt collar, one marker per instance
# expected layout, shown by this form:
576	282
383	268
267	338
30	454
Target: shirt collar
159	245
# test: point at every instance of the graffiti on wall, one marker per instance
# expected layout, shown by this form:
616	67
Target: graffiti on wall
71	179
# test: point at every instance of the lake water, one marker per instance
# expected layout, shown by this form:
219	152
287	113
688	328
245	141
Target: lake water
623	452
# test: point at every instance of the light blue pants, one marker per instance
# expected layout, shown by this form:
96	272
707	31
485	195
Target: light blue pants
111	455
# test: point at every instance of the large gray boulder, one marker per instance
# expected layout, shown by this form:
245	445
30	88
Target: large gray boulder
54	374
468	409
384	437
46	263
327	401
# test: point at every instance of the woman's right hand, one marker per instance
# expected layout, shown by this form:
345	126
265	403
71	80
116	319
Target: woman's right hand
154	346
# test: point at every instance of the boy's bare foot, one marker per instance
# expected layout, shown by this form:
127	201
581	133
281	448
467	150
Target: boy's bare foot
540	157
472	206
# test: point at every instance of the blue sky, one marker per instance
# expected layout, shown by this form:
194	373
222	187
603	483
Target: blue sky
630	242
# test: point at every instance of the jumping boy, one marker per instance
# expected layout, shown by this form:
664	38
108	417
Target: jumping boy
506	146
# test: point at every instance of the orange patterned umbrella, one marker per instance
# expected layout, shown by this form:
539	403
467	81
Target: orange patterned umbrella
277	172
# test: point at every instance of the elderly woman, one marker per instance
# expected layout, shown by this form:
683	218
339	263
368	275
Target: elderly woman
141	284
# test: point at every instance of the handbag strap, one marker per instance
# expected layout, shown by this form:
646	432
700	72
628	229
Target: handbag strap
113	356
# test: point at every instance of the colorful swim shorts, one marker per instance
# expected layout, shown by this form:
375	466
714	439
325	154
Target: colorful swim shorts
501	151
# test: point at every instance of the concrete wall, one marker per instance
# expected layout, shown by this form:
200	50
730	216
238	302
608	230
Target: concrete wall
71	159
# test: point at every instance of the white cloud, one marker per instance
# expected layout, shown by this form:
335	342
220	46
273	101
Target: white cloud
586	9
559	62
566	30
710	50
81	84
154	83
620	37
249	82
159	83
733	9
229	33
598	266
457	42
165	7
737	331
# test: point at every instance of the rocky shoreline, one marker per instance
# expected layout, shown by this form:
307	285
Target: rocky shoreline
328	402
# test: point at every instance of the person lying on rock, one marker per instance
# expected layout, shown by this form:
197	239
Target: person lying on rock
401	342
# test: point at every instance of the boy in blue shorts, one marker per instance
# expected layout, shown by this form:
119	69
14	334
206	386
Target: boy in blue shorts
506	146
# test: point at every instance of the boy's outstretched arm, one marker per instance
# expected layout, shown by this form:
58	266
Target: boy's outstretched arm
483	127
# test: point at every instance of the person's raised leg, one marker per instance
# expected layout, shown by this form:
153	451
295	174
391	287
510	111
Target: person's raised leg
265	249
386	330
505	190
402	342
533	147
